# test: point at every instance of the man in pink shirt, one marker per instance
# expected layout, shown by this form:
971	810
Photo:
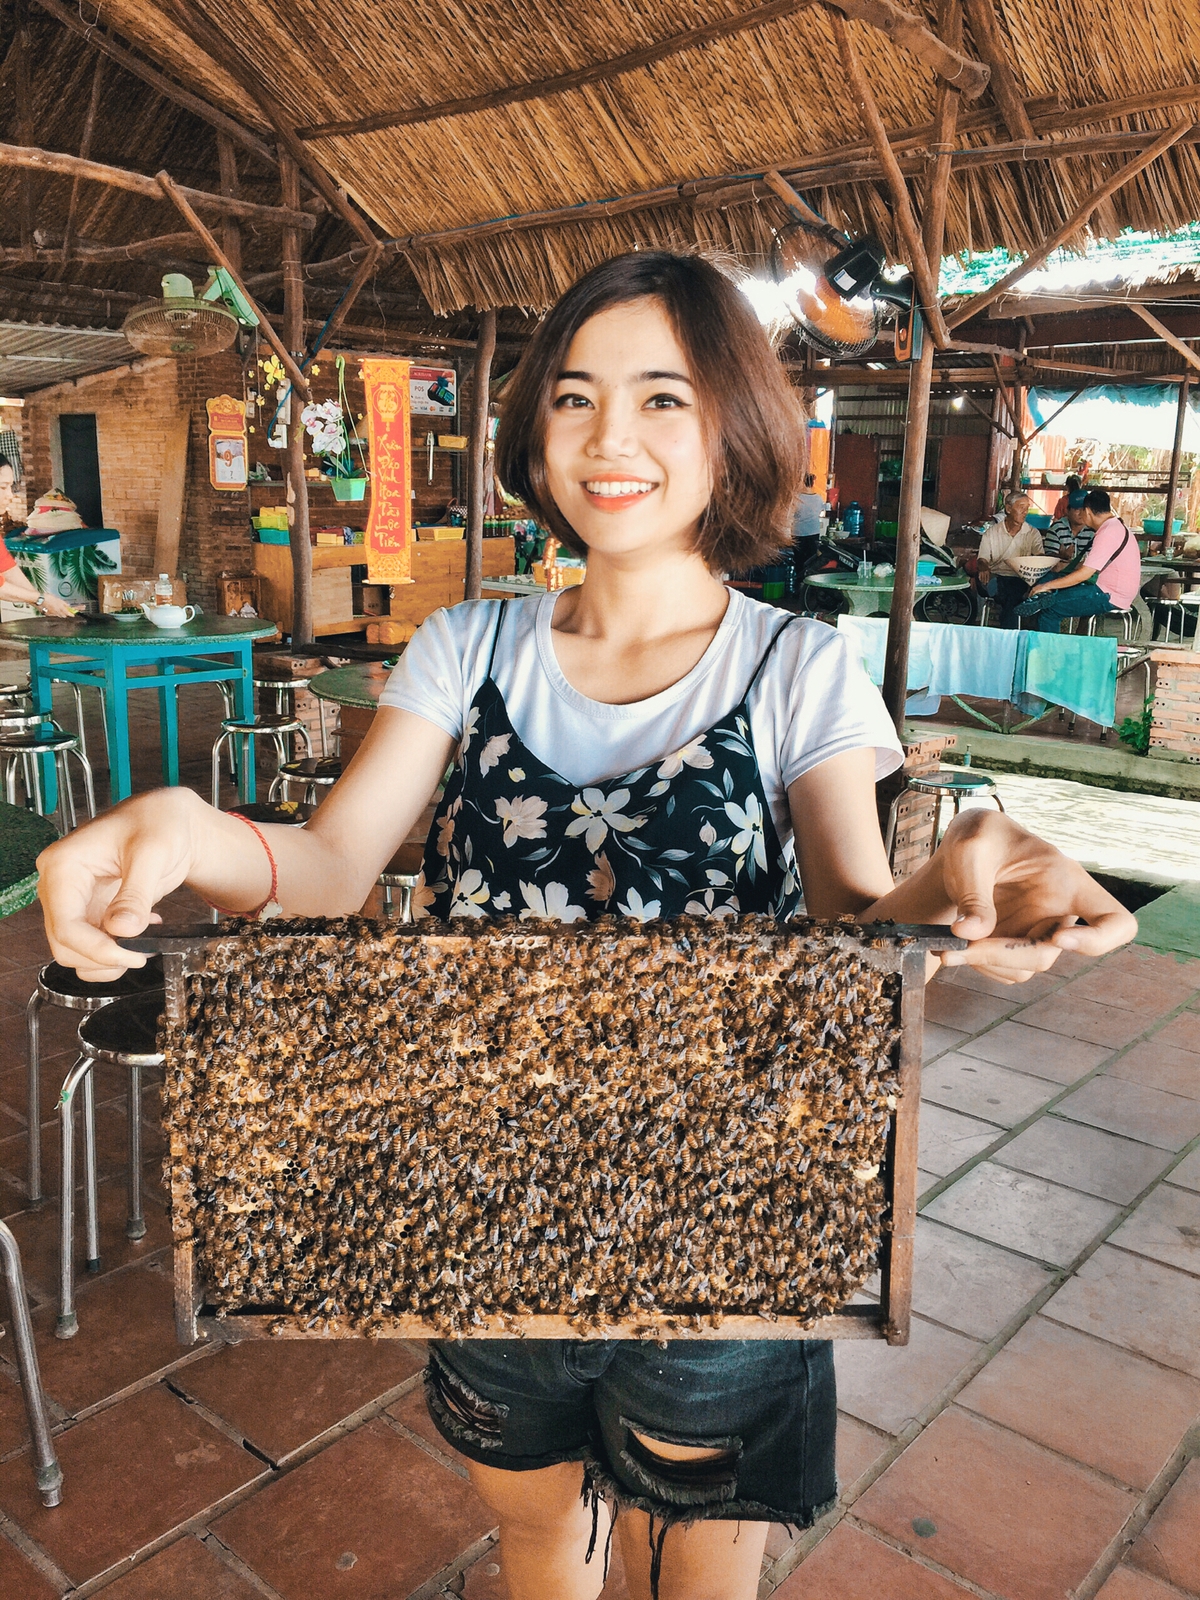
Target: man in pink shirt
1106	579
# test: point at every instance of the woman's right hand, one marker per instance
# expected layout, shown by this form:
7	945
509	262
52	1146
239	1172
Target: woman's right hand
102	881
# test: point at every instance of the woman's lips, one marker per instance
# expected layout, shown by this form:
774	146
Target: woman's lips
616	494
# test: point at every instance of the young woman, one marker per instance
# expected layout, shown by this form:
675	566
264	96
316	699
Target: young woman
648	743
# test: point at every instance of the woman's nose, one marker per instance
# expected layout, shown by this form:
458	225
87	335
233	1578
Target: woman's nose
613	433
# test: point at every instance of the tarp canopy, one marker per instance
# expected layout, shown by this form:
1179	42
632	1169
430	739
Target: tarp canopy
1135	416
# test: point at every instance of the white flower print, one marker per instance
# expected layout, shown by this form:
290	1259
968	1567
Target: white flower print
523	818
469	730
708	834
517	774
496	747
471	894
748	820
502	901
718	879
639	910
423	896
693	754
707	906
550	905
446	827
596	813
602	882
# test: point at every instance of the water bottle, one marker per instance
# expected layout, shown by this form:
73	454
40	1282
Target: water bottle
162	590
852	519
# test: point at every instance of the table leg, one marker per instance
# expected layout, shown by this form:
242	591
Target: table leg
116	695
42	687
244	698
168	726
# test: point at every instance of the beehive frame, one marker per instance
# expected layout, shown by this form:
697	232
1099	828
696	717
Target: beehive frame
889	949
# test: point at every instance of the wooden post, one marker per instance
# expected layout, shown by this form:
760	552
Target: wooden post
231	233
484	350
1018	459
293	337
1176	451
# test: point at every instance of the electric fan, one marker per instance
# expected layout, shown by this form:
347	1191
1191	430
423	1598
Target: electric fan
839	303
181	325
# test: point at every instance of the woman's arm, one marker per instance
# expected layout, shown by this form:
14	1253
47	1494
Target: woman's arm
14	585
103	881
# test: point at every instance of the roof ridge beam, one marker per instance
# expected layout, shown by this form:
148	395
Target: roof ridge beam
1165	334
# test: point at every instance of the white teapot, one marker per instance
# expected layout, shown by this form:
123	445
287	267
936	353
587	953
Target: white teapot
168	616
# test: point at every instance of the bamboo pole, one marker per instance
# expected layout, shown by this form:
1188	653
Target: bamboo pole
293	319
484	350
231	233
1165	334
802	211
366	270
85	150
175	193
1003	84
24	123
1176	452
1073	223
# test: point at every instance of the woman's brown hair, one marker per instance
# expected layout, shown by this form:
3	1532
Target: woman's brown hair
751	419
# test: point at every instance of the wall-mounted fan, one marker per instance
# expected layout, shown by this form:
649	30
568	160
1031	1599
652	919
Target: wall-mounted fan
181	325
836	292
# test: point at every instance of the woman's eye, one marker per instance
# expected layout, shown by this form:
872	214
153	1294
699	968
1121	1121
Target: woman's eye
571	402
662	402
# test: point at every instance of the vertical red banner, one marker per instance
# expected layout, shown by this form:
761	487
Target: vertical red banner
388	537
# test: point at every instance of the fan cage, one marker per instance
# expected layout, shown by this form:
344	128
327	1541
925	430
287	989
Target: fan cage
825	344
180	327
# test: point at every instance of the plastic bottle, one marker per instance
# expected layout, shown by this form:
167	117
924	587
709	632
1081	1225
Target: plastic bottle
162	590
852	519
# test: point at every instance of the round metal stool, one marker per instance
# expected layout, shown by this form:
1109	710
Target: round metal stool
62	986
43	737
248	728
47	1472
402	872
953	783
77	691
285	811
124	1033
311	775
1127	620
281	688
10	693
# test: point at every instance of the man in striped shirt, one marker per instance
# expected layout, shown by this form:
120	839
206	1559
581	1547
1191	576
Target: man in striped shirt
1069	535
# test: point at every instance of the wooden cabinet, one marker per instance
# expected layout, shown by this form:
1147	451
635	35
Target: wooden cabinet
856	472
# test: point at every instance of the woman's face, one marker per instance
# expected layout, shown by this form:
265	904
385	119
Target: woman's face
625	454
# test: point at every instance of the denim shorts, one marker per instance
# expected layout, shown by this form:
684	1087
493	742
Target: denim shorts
769	1405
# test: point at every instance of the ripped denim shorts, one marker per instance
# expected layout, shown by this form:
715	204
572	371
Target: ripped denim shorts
770	1407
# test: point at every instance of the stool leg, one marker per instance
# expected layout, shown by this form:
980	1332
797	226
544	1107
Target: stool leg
135	1226
324	735
406	900
67	1325
77	691
45	1462
387	900
34	1095
66	795
89	787
277	788
216	770
890	838
91	1198
10	780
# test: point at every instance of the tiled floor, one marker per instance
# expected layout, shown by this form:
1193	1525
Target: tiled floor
1038	1439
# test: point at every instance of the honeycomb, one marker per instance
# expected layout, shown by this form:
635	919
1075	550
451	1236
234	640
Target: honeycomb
642	1127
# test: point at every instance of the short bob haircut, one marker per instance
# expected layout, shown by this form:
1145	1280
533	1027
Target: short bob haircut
749	413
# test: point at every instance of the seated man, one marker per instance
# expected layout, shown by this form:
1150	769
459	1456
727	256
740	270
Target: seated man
1004	539
1069	535
1073	486
1107	579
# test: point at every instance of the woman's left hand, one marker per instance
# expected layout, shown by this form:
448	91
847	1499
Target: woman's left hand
52	606
1017	899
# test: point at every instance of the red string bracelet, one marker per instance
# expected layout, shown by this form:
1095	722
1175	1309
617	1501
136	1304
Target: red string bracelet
270	906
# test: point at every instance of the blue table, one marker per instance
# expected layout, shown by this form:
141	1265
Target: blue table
100	653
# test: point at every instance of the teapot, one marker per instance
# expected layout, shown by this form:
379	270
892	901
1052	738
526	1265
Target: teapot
168	616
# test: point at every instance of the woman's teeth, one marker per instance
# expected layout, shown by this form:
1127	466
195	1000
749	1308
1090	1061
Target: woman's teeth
614	490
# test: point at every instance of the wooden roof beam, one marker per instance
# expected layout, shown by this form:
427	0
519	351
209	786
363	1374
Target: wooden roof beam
85	253
904	27
1165	334
1073	223
165	86
982	17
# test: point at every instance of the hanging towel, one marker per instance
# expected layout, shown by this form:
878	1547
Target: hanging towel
1078	673
943	658
868	636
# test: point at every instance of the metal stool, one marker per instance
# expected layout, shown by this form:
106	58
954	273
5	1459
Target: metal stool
282	811
281	688
62	986
310	774
10	693
1174	610
954	783
77	690
247	728
1191	601
1126	617
124	1033
45	1463
402	872
43	737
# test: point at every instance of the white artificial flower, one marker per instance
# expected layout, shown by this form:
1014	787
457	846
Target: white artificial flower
551	905
523	818
596	814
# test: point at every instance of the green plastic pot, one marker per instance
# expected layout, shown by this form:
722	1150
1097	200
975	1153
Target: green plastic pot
348	488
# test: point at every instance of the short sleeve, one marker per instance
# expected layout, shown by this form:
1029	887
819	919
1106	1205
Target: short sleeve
428	680
830	706
7	559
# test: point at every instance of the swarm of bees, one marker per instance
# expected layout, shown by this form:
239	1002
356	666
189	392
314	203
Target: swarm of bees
624	1125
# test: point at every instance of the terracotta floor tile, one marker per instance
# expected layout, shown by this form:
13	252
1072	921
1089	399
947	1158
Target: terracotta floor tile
132	1473
112	1148
850	1564
18	1579
1087	1399
1033	1050
1133	991
282	1393
1138	1304
412	1413
889	1386
964	1009
37	1235
1187	1174
858	1447
1183	1032
1166	1227
1127	1583
980	1089
1085	1019
1022	1213
187	1570
1153	963
1166	1120
948	1138
968	978
1169	1547
1160	1066
299	1532
1084	1158
939	1039
969	1284
1008	1515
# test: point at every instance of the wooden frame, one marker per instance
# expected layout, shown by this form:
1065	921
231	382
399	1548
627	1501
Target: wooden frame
890	949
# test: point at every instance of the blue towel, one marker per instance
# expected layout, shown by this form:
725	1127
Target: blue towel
1078	673
943	658
868	637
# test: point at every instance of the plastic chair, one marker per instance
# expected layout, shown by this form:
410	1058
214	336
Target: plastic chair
124	1033
46	1469
311	775
275	728
952	783
402	872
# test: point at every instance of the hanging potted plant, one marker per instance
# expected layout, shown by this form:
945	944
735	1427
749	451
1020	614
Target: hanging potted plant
326	422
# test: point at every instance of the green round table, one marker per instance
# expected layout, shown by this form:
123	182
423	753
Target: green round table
23	836
875	596
360	684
